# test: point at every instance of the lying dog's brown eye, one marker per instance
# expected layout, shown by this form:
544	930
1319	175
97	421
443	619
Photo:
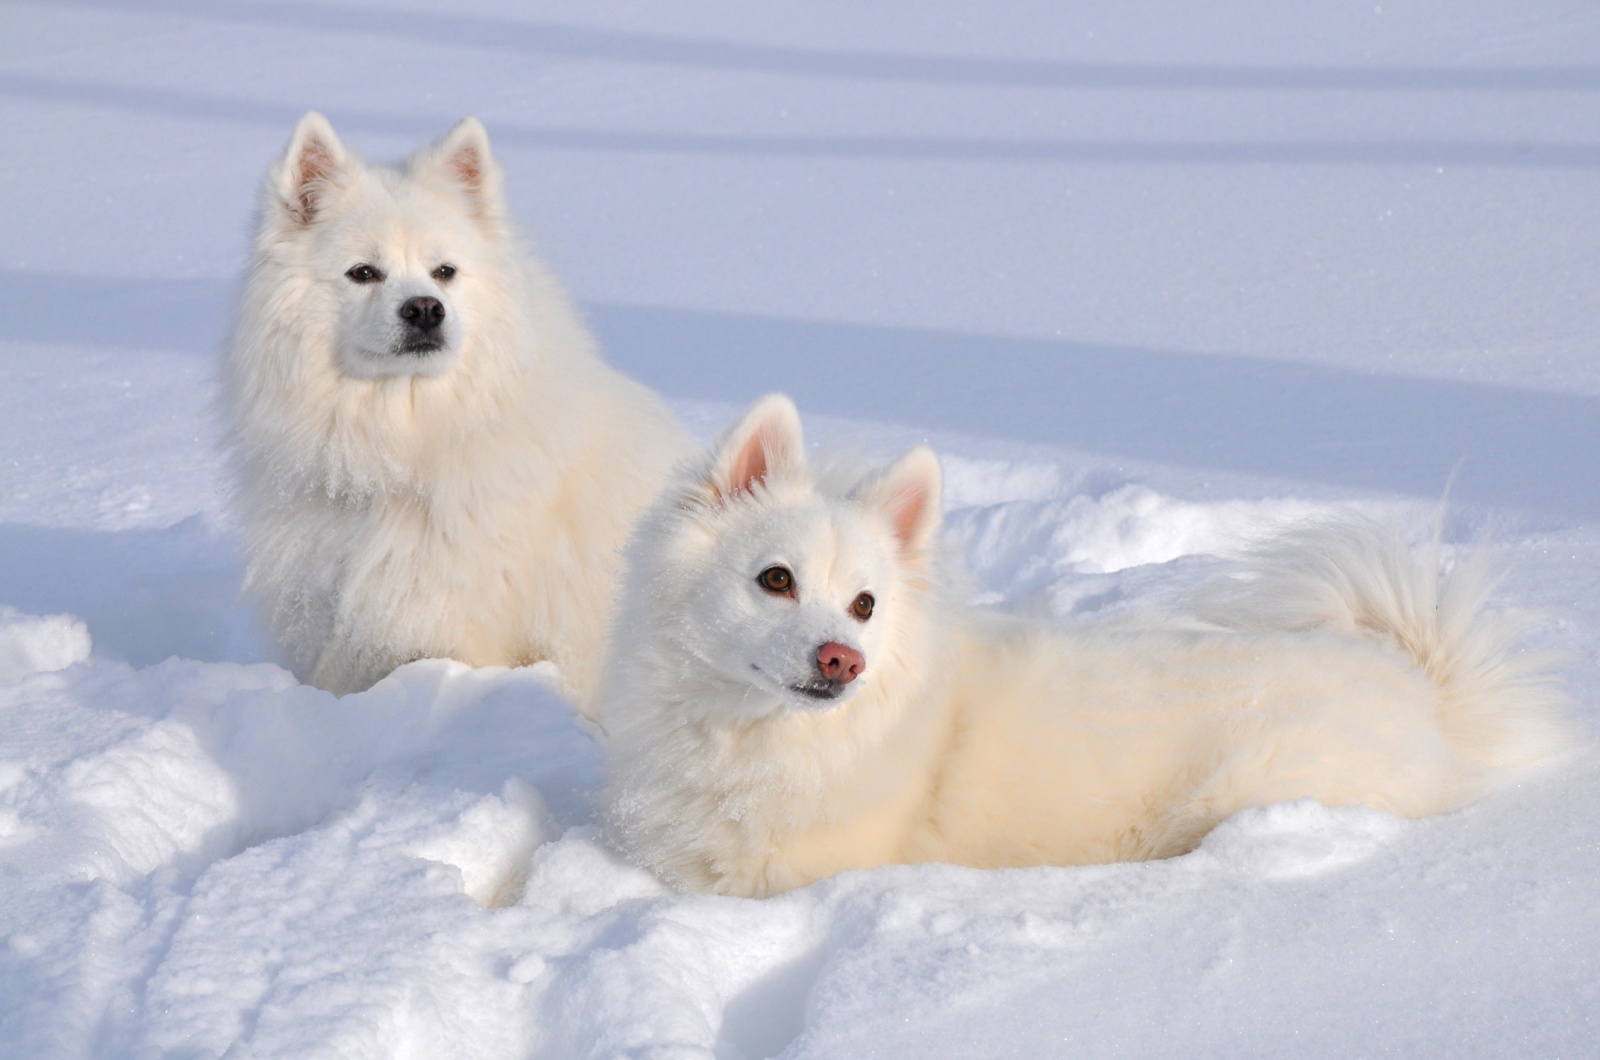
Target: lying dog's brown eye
862	608
444	272
776	580
364	273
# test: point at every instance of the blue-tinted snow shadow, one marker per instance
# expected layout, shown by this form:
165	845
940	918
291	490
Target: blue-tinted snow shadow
146	594
1521	154
1507	447
564	40
189	316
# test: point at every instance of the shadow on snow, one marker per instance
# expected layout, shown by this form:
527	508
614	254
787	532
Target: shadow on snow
1507	447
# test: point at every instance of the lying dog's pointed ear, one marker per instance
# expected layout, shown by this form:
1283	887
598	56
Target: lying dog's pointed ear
909	494
767	440
462	160
309	169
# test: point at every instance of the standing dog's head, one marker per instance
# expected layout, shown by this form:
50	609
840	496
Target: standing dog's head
386	268
777	591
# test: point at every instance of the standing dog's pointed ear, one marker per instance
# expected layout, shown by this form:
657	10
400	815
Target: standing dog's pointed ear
767	440
462	160
908	493
308	170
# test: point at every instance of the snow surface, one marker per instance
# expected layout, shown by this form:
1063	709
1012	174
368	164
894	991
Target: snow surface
1157	278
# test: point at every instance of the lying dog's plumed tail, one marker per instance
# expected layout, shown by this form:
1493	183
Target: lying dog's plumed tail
1499	705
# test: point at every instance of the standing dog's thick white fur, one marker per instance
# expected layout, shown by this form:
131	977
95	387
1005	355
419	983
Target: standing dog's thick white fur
431	458
1338	666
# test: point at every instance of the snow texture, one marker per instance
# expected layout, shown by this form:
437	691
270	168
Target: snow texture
1156	279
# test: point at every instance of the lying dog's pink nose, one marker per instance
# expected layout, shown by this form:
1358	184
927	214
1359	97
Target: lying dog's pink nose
840	662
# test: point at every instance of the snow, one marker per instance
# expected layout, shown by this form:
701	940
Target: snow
1156	279
31	644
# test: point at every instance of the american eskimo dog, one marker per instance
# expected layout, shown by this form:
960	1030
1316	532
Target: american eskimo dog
431	458
793	693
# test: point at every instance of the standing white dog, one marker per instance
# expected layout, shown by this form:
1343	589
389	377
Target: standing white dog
431	458
792	693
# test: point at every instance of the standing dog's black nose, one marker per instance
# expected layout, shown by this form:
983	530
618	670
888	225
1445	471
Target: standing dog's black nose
423	313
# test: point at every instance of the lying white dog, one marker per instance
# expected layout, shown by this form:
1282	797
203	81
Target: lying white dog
431	458
791	692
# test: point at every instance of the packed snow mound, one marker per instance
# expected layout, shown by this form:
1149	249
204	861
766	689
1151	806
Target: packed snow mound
34	644
1056	552
256	861
1301	838
1125	527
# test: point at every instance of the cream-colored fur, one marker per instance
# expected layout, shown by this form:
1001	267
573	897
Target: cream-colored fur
1336	666
468	503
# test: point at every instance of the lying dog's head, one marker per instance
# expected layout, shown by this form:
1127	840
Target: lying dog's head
394	265
780	591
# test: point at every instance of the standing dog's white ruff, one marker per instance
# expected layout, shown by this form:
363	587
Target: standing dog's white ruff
431	459
1337	666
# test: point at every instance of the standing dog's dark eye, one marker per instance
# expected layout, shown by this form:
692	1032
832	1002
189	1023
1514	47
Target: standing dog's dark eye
776	580
862	608
444	272
365	273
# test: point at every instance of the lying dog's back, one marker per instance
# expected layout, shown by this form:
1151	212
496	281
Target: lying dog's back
1070	748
